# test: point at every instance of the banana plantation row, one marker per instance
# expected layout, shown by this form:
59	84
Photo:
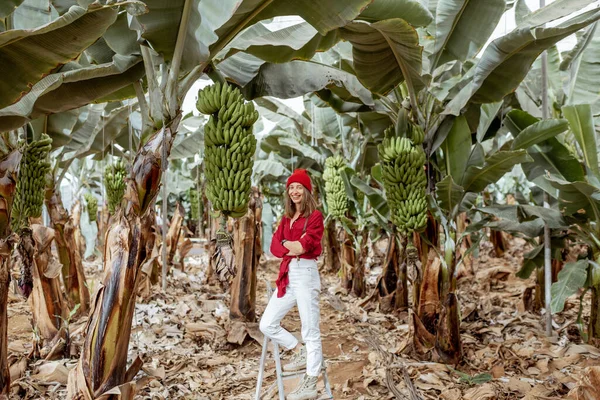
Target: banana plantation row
407	127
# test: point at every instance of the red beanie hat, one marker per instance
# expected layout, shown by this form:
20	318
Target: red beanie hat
300	176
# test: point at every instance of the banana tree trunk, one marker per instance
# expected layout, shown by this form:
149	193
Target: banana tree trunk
332	248
448	343
248	250
386	285
499	242
103	361
428	306
402	284
76	218
348	261
174	233
9	167
358	276
48	304
68	252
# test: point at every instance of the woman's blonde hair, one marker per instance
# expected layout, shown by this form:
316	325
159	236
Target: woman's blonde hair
307	206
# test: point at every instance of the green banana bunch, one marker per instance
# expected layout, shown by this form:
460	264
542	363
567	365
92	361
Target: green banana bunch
229	147
92	206
335	190
29	192
114	181
402	162
194	203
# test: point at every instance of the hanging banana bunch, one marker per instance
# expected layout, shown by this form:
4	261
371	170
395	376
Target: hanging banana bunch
229	146
194	203
29	196
335	190
402	160
114	177
92	206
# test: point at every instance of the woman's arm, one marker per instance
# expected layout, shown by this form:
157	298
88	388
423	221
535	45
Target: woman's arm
277	249
311	238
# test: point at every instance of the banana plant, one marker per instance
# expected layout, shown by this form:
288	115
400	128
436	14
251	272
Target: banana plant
577	199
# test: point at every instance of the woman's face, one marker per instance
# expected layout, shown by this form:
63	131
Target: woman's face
296	192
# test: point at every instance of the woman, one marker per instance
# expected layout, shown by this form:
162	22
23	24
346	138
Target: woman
298	242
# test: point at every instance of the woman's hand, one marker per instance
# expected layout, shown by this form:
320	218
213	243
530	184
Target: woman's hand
295	248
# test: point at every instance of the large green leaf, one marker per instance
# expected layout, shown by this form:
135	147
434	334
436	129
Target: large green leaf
538	132
555	10
276	80
108	129
578	197
412	11
449	194
582	125
506	61
385	54
477	178
296	42
71	89
376	197
26	56
456	147
583	40
462	27
213	24
269	168
284	116
570	279
584	86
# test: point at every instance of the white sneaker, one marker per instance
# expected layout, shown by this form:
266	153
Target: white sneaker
306	390
297	362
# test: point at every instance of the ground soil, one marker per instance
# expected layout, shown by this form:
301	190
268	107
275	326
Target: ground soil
192	351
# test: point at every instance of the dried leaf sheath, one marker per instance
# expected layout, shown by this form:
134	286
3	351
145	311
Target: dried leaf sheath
47	301
68	251
8	171
104	356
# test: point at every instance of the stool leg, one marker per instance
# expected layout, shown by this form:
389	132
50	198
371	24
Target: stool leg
279	371
326	382
261	370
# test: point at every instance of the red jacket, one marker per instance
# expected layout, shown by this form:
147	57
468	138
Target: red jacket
310	241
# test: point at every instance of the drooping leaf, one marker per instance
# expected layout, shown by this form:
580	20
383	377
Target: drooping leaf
274	80
462	27
577	197
26	56
385	54
72	89
570	279
376	197
507	60
582	42
296	42
539	132
412	11
477	178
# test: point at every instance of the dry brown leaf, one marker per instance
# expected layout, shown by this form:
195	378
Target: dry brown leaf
588	386
497	371
518	385
237	333
451	394
53	371
483	392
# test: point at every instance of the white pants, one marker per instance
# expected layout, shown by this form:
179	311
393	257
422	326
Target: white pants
303	290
